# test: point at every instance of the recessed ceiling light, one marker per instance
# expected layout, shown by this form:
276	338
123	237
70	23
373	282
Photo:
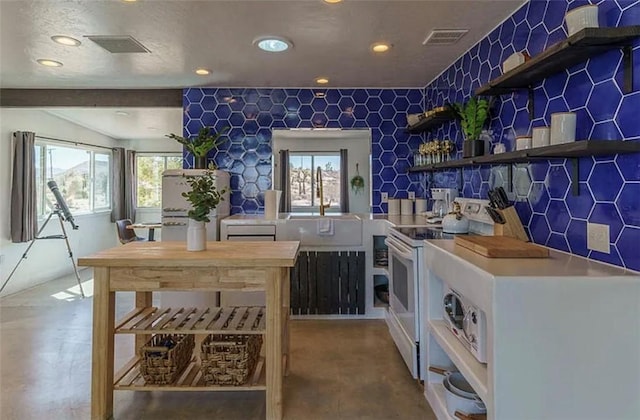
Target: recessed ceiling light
322	80
49	63
122	113
152	128
273	43
129	1
66	40
332	1
203	72
380	47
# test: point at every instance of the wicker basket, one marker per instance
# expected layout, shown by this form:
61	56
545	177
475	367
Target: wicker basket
160	362
229	359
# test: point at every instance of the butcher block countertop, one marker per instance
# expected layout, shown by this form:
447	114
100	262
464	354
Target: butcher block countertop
217	254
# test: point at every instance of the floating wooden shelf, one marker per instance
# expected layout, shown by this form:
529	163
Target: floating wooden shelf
573	150
129	378
229	320
432	121
573	50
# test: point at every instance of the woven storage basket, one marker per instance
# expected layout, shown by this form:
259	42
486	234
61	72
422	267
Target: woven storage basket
160	364
229	359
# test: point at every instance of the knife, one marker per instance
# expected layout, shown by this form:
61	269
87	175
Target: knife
502	197
495	215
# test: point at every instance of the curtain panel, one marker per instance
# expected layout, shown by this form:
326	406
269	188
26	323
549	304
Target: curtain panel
285	181
118	196
344	181
130	191
24	213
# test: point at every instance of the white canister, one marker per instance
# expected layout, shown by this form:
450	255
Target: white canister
272	204
541	137
406	207
196	236
421	205
393	206
581	17
523	143
563	127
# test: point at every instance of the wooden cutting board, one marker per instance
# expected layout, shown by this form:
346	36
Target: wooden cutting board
501	247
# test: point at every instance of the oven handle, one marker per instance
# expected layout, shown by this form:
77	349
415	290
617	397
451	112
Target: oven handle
397	247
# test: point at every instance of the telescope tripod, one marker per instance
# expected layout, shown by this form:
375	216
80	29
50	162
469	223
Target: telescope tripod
64	236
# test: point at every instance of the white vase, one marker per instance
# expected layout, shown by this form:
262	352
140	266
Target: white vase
196	236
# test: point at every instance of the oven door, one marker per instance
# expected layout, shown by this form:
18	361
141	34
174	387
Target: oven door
401	317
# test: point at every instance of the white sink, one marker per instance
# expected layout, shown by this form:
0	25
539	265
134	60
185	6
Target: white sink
347	230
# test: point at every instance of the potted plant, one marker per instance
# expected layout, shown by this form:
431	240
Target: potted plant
201	145
204	197
473	116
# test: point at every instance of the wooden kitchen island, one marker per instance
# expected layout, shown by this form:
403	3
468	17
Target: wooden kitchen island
147	267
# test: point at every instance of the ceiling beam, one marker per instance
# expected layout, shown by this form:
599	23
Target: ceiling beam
87	98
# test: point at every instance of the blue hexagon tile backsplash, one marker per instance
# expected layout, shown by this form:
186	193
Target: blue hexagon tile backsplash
251	114
609	186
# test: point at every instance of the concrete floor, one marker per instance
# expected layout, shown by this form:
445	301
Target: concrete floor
340	369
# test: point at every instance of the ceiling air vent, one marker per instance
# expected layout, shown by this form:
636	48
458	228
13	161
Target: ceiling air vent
118	44
444	36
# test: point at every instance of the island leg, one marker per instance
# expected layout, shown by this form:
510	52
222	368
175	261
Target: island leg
273	345
102	358
286	311
143	300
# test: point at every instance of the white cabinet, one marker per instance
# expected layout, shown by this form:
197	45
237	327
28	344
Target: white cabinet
563	340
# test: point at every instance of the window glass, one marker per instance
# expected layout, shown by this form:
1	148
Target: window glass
149	171
83	177
303	172
69	167
101	181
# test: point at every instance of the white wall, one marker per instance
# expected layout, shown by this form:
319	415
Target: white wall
47	259
357	142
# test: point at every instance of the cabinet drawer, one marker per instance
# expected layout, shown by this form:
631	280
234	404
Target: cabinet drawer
250	230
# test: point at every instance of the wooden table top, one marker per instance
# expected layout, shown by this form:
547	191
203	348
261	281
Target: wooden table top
145	226
217	254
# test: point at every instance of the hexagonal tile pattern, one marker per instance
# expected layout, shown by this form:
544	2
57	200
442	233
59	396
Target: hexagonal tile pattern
609	188
252	114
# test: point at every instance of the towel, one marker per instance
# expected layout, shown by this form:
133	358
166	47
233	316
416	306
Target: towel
325	227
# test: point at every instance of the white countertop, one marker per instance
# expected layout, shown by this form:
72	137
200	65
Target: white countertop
394	220
559	264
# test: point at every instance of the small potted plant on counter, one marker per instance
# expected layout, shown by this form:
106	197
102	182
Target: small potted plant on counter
204	197
473	116
201	145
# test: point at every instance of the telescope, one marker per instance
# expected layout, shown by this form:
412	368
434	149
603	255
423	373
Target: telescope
62	205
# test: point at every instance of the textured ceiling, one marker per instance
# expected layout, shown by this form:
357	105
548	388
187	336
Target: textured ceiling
330	40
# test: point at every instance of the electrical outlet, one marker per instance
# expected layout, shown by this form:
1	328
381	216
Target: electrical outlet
412	195
384	197
598	237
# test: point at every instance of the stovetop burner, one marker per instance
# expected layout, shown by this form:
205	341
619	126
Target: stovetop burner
423	233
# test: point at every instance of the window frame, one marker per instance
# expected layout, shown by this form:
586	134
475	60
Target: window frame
163	155
314	208
42	209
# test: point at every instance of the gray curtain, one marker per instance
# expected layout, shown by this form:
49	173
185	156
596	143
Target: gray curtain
118	196
344	181
24	214
285	182
130	196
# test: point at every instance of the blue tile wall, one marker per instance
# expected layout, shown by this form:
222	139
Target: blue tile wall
609	186
251	114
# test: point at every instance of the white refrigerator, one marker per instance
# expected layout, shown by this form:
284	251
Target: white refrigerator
174	227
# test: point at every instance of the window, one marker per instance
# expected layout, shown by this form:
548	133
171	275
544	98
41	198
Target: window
303	168
83	176
149	170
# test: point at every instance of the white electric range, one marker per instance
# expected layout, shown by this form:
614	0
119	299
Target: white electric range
406	269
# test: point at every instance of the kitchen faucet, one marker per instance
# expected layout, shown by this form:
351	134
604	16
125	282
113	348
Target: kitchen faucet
320	192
